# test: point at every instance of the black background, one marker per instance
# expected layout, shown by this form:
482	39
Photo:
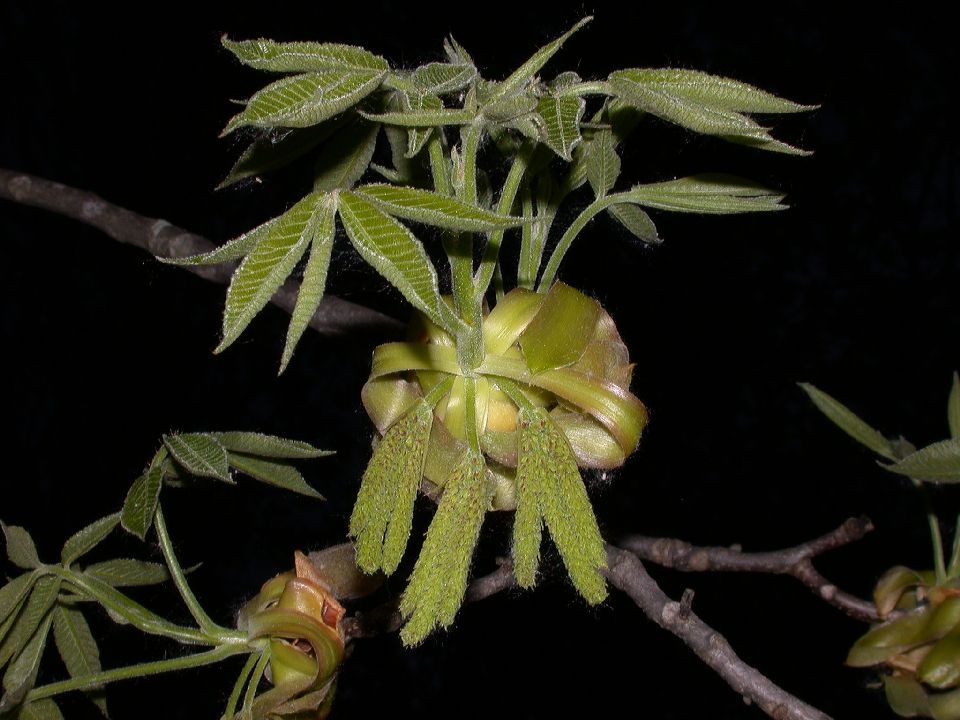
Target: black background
853	289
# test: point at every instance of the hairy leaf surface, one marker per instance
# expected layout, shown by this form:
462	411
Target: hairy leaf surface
265	54
268	446
199	454
435	209
393	251
707	194
141	502
558	117
314	281
128	572
264	270
87	539
20	548
304	100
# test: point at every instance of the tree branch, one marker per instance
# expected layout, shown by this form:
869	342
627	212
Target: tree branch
627	573
796	562
158	237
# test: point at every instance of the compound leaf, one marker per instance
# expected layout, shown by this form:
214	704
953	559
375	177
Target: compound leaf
704	103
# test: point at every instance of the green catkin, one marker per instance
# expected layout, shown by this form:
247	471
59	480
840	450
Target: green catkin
528	519
383	513
439	579
565	505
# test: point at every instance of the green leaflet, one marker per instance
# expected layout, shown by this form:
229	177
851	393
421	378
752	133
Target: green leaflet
953	408
199	454
314	279
84	541
304	100
558	118
847	421
442	78
128	572
939	462
417	101
704	103
44	709
434	78
510	108
383	513
42	597
455	52
141	502
77	647
522	75
708	194
11	597
232	250
266	54
422	118
279	148
617	117
274	472
263	271
346	157
603	162
268	446
439	578
393	251
636	221
552	479
22	673
20	548
435	209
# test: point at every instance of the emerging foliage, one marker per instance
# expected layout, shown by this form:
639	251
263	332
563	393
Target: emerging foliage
510	393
